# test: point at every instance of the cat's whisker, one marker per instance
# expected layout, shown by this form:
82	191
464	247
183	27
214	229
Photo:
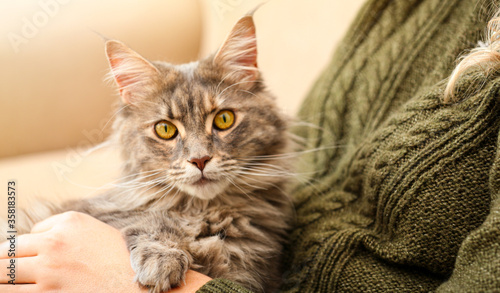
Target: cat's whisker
264	167
284	173
265	172
113	117
288	155
190	201
266	183
261	174
97	147
165	191
168	185
222	80
173	197
140	184
177	173
300	123
287	198
138	180
94	189
137	191
255	187
102	187
235	84
159	191
236	185
273	172
123	178
146	185
137	185
176	193
248	92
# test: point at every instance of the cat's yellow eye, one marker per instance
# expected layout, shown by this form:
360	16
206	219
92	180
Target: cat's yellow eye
224	119
165	130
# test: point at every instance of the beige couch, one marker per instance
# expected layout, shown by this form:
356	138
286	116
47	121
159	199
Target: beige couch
54	103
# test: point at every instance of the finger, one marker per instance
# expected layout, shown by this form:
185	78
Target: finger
21	246
65	217
46	224
24	288
19	270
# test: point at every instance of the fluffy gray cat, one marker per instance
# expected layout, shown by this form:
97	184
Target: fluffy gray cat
204	179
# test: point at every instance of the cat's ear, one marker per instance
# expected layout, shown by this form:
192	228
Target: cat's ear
134	75
238	53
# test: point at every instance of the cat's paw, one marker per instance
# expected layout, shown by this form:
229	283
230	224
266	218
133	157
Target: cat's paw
158	267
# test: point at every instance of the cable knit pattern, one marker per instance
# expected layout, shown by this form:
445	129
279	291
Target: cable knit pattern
222	285
406	191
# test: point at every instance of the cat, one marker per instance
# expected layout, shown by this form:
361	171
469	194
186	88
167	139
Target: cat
204	182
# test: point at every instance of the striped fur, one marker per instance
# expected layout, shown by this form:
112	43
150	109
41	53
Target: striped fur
235	225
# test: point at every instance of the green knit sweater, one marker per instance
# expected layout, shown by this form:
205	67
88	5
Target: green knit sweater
405	197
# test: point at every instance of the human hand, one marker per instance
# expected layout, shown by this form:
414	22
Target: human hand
69	252
74	252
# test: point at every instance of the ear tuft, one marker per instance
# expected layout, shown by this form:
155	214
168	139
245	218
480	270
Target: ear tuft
134	75
238	54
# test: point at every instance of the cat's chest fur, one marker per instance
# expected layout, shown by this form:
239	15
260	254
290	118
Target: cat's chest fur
231	215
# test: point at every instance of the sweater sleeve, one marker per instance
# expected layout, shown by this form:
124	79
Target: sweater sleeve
477	267
221	286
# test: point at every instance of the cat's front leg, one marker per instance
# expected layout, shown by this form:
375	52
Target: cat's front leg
159	264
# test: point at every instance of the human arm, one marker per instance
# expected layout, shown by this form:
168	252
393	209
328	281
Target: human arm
478	262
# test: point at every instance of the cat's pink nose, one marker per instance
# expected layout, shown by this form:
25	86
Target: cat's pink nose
200	162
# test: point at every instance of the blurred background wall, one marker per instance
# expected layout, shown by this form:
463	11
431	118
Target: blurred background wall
52	93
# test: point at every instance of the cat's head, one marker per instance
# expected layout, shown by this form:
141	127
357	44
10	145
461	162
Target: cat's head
204	127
